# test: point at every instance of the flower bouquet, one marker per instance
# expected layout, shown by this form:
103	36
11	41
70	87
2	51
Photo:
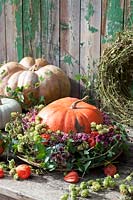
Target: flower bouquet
30	140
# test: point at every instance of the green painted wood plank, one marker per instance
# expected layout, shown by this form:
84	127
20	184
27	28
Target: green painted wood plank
36	30
50	30
31	28
27	31
70	41
112	20
2	33
19	37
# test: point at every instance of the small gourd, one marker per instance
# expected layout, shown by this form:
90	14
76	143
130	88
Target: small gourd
7	106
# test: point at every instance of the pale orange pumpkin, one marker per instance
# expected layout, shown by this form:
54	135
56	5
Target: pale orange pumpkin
70	114
48	81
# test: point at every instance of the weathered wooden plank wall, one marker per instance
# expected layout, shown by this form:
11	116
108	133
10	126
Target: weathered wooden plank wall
71	34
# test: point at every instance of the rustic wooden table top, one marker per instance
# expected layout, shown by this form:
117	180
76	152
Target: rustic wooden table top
51	186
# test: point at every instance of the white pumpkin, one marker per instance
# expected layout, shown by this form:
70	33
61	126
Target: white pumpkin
7	106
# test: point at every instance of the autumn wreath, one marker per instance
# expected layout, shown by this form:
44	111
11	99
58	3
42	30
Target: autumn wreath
31	141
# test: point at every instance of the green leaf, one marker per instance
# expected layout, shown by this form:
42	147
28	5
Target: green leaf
41	151
78	77
52	167
86	152
41	78
87	165
37	85
47	159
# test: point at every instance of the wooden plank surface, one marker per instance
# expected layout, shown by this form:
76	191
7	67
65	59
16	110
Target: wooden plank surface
13	22
112	21
35	28
90	38
65	32
70	41
3	197
50	30
19	27
31	28
128	14
3	53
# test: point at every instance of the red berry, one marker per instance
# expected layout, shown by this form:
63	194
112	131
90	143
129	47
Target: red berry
72	177
92	142
94	133
110	170
23	171
1	173
45	136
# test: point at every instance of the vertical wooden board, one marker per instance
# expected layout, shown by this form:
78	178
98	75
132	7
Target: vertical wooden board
128	11
31	28
36	29
13	23
90	39
19	38
50	30
27	31
128	24
2	33
70	41
112	21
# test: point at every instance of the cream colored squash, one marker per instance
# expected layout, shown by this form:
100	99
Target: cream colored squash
7	106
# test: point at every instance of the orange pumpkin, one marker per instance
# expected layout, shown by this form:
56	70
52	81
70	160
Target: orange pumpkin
70	114
48	81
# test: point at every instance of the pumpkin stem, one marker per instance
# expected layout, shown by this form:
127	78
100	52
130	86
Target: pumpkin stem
34	68
73	106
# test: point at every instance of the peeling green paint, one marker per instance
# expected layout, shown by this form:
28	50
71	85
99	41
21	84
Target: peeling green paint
64	26
31	28
27	32
129	22
115	21
36	27
19	40
89	14
18	18
2	2
48	7
92	29
44	11
68	59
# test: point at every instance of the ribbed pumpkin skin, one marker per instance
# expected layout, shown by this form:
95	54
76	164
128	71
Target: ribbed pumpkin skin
48	81
28	62
59	115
